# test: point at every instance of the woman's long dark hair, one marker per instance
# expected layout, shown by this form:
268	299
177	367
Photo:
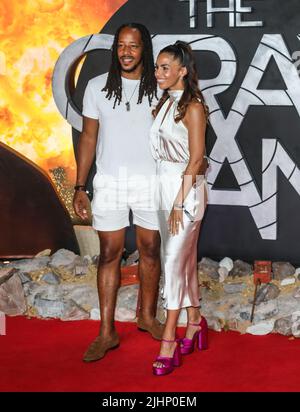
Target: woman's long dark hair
148	86
182	51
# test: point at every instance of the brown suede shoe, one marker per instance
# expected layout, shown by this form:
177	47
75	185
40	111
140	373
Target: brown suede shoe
156	328
99	347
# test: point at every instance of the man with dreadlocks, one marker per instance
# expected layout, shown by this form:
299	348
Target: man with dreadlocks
116	122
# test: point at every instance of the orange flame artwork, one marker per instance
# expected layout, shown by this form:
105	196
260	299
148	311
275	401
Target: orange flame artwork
33	33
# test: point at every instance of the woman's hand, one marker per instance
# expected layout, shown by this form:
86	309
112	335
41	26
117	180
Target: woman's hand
175	221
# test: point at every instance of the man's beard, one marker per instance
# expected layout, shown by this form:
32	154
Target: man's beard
132	69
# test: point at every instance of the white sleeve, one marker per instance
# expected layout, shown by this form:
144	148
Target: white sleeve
89	106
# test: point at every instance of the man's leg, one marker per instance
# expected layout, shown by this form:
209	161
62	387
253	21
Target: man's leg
108	281
148	244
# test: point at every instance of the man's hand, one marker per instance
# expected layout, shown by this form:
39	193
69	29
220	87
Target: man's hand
81	204
86	150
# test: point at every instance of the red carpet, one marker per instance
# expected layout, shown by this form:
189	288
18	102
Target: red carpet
45	355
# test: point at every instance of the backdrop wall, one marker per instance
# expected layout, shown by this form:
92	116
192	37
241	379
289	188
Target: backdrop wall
248	61
248	69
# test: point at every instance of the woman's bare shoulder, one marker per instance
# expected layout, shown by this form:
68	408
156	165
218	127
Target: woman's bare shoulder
195	108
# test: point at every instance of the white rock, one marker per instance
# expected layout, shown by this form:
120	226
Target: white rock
262	328
125	315
95	314
52	292
87	260
214	324
31	289
46	252
287	304
25	277
296	324
30	265
297	272
287	281
266	310
296	328
296	293
223	272
51	278
132	259
226	263
74	312
80	270
127	297
295	315
63	257
82	294
234	287
12	299
49	308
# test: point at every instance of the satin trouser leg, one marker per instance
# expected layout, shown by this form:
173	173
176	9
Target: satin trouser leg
179	263
179	252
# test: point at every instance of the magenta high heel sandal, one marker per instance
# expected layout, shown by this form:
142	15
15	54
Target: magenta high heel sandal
201	337
168	363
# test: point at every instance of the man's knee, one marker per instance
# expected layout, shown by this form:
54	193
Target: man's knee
149	249
110	255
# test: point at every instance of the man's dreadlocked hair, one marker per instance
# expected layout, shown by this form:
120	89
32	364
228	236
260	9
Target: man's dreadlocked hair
148	86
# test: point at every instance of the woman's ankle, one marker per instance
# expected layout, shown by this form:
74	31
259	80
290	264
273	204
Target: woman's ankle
167	348
194	318
169	335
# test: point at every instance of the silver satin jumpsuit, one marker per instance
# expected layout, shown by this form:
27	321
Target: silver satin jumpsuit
170	148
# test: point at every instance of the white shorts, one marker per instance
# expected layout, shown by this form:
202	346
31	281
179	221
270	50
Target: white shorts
113	199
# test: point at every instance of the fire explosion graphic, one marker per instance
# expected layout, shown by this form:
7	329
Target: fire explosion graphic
33	33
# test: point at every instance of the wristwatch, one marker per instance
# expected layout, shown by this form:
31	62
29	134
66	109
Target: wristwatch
179	206
81	188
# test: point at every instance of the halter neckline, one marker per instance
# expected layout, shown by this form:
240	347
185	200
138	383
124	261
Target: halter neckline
175	95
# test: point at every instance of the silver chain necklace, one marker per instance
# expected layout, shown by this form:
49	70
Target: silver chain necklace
127	103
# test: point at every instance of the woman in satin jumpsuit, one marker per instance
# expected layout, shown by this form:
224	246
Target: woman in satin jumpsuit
177	141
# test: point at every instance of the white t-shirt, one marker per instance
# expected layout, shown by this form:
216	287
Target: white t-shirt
123	148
